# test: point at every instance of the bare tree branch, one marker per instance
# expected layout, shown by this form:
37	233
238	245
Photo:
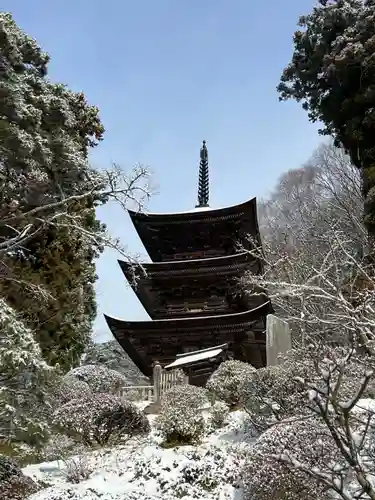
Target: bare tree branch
127	190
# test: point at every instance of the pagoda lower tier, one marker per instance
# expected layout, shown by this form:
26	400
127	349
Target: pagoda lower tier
190	288
162	340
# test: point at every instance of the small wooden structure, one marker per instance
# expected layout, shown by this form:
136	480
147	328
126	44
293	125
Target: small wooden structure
198	365
162	380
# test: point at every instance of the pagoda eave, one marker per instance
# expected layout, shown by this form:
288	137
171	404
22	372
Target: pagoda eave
184	323
146	278
176	267
161	340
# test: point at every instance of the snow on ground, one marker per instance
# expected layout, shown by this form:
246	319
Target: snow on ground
143	470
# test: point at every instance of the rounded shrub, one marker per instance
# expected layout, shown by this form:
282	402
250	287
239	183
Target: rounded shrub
185	395
266	474
100	418
99	378
274	393
181	420
227	381
14	485
180	425
68	388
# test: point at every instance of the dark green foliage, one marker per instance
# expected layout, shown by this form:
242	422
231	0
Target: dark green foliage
46	132
25	383
68	274
332	72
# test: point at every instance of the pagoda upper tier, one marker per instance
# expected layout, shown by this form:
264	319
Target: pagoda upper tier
193	288
197	234
163	339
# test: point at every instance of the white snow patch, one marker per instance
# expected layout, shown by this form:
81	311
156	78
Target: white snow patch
366	405
193	357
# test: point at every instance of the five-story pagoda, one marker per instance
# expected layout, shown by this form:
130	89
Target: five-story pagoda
191	288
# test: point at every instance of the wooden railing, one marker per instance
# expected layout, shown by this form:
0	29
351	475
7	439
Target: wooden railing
138	392
171	378
162	381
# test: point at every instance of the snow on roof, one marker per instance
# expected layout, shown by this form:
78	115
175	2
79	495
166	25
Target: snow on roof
196	356
194	210
221	346
200	209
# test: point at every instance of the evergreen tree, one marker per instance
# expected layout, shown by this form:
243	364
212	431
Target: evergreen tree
332	72
46	132
24	383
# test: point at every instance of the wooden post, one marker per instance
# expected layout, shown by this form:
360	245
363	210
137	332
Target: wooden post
157	376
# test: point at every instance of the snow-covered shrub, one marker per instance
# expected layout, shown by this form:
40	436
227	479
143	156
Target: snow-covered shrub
77	468
185	395
266	477
227	381
71	454
100	378
272	393
14	485
218	413
111	355
207	470
68	388
25	378
58	447
312	363
180	425
95	492
100	418
194	473
277	392
181	420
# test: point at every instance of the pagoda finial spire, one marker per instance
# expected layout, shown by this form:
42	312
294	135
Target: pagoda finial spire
203	181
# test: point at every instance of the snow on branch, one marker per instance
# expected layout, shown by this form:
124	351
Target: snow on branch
331	295
129	190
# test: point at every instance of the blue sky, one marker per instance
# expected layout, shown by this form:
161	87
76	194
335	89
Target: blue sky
167	74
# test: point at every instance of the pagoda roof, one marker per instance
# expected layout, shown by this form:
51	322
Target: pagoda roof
142	275
137	338
193	215
167	234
